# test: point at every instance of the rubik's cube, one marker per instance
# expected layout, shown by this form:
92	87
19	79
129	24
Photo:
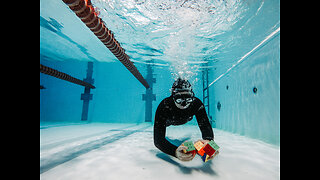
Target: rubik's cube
207	151
190	147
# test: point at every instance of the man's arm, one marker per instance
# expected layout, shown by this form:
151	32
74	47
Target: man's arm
160	140
204	124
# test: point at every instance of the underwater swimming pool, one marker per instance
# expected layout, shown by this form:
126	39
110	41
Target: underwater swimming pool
231	46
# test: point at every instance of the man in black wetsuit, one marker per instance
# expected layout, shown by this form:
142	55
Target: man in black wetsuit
178	109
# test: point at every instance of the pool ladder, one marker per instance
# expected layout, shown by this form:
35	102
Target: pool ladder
206	93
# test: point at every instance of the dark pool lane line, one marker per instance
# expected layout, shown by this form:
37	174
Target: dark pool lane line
70	153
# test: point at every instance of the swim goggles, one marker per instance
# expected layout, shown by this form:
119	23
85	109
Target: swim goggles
180	98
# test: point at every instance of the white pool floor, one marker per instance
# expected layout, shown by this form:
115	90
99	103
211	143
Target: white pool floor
126	151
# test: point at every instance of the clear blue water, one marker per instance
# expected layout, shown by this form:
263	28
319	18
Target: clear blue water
178	38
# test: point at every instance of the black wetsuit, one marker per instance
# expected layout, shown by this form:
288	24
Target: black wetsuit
169	114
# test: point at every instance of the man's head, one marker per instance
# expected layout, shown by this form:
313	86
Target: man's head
182	93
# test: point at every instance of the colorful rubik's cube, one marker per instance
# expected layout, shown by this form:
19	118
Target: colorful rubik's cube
207	151
190	147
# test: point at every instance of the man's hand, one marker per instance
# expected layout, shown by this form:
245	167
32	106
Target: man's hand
184	156
205	142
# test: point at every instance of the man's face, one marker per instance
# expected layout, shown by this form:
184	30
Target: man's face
183	99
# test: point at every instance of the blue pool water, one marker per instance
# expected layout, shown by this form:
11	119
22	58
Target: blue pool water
237	42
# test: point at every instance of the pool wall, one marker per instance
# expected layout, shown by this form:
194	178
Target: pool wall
246	101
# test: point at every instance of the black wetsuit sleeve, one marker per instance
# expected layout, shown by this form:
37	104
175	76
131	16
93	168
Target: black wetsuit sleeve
204	124
160	140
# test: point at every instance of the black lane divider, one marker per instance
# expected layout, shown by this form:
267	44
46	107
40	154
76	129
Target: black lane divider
60	75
